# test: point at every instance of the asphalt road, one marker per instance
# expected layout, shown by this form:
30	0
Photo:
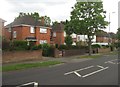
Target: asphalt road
99	71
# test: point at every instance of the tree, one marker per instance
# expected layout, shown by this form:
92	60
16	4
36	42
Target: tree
86	19
54	23
118	38
68	40
47	20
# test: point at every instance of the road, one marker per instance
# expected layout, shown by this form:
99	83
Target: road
99	71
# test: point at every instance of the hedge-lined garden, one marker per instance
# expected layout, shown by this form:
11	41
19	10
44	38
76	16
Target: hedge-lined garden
18	45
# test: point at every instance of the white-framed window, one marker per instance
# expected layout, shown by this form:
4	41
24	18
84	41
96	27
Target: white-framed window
9	29
14	34
54	34
32	29
42	41
43	30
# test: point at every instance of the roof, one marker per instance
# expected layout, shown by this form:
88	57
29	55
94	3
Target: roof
2	20
102	33
26	20
58	27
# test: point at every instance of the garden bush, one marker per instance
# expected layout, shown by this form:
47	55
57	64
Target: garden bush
61	47
19	45
34	47
96	46
5	45
47	50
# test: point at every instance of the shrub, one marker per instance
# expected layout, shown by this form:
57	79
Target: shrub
45	48
61	47
20	44
105	46
34	48
68	40
5	45
96	46
56	45
74	47
39	46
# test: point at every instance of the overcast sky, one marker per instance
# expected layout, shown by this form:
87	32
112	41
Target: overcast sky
57	10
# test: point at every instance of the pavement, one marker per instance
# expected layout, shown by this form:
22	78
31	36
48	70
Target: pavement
98	71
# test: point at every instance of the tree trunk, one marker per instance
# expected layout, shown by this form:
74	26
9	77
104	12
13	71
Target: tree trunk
89	45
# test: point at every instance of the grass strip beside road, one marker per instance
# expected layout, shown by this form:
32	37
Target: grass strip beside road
92	56
28	65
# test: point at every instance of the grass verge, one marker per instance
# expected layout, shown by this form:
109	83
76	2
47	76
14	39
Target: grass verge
28	65
92	56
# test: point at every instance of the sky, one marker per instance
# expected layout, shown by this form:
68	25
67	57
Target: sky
57	10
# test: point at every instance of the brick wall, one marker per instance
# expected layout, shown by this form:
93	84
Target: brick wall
16	56
66	53
103	50
102	39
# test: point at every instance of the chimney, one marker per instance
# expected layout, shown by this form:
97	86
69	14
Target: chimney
42	20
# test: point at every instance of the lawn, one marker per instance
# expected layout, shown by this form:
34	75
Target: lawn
28	65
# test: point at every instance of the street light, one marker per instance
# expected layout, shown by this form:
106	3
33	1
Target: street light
109	29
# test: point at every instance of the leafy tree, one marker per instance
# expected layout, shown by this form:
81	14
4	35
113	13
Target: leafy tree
54	23
69	27
68	40
118	37
47	20
86	19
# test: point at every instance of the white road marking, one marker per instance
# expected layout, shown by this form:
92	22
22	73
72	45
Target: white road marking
78	70
100	66
95	72
77	74
111	61
35	84
118	63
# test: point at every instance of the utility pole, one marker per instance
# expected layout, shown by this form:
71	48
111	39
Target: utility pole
109	40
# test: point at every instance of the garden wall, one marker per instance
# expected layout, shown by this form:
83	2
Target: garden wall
66	53
16	56
104	50
73	52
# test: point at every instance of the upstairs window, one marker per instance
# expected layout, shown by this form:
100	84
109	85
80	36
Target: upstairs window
43	30
54	34
14	34
9	29
32	30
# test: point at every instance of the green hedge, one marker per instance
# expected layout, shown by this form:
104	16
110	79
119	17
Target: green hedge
36	47
96	46
65	47
19	45
47	49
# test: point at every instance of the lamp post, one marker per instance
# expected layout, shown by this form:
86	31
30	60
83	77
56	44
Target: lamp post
109	29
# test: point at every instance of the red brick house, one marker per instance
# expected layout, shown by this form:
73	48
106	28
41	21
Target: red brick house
27	28
57	34
105	37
